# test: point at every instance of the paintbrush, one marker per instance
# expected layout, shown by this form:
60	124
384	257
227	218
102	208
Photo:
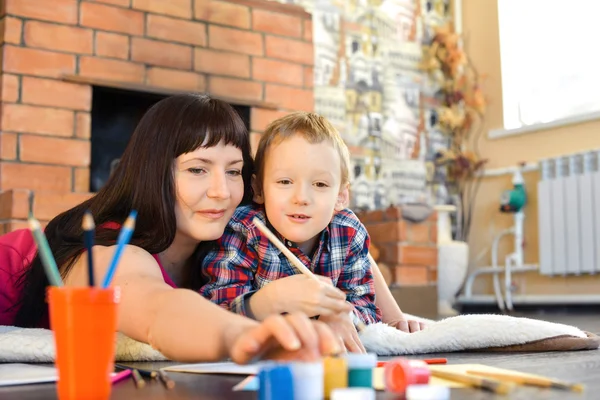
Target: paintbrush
491	385
45	253
531	381
123	239
88	239
297	263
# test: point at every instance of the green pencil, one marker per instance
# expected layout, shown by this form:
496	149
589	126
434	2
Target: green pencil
45	253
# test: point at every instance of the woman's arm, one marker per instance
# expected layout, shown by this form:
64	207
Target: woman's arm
390	310
183	325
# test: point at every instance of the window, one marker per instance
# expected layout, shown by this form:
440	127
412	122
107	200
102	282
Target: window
550	68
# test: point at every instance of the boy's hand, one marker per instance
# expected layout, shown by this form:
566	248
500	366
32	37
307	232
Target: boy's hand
290	337
343	327
310	296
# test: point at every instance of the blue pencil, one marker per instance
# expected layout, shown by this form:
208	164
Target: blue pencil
88	239
123	239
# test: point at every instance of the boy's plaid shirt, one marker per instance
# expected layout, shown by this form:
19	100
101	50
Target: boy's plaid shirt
245	261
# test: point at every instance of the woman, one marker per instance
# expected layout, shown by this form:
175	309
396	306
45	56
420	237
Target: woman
186	168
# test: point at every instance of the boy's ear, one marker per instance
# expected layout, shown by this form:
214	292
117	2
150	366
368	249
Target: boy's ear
343	198
257	189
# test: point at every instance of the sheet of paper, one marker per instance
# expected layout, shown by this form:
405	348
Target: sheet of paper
228	368
24	374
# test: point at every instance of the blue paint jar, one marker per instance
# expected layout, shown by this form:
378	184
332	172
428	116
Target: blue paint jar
276	382
360	369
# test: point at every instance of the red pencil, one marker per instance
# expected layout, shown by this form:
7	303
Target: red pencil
426	361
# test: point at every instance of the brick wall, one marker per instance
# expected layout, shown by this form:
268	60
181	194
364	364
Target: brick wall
253	52
408	249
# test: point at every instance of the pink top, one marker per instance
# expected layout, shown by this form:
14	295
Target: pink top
17	250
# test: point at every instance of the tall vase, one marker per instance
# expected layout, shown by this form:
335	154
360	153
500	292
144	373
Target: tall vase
453	260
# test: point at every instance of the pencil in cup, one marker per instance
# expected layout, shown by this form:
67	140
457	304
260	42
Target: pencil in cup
297	263
123	239
531	380
491	385
88	240
45	253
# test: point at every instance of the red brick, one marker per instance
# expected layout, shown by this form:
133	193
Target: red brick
418	255
267	70
8	146
432	275
122	3
175	79
261	117
176	30
235	88
60	11
289	97
289	49
221	63
254	139
393	212
309	78
433	232
276	23
14	204
417	232
176	8
50	150
47	205
48	92
368	217
58	37
21	60
10	88
109	18
385	232
116	70
42	120
81	179
83	125
411	275
34	177
235	40
223	13
13	225
10	30
308	30
112	45
164	54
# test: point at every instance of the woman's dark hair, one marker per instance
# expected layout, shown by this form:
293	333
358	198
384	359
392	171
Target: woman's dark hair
144	181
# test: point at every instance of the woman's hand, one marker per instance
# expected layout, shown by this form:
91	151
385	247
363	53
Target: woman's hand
290	337
407	325
307	295
343	327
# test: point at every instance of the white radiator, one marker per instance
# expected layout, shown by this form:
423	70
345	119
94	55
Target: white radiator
569	214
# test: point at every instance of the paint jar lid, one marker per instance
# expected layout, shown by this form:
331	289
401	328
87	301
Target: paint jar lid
400	373
357	360
427	392
352	394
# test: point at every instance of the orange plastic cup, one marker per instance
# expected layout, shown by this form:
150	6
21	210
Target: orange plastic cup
84	321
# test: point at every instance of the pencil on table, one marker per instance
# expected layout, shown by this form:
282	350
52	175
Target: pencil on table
491	385
45	253
296	262
88	239
137	379
168	382
123	239
531	381
143	372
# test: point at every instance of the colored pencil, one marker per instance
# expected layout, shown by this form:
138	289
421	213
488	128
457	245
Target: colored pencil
88	239
119	376
45	253
491	385
297	263
123	239
144	372
137	379
164	378
531	381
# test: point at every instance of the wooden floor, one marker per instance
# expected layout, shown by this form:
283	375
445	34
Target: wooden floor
577	366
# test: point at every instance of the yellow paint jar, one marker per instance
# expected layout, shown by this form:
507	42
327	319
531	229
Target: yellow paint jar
335	374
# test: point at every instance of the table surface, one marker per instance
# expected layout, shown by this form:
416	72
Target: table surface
578	366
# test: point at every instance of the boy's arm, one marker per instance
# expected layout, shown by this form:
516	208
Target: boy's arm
230	270
356	278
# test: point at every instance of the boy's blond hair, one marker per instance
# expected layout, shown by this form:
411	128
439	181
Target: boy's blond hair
312	127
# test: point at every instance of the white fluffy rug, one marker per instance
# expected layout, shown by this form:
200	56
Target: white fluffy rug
463	332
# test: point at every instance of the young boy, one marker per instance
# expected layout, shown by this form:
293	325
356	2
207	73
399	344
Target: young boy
301	188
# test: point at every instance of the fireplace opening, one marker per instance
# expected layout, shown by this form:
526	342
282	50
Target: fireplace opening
115	114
